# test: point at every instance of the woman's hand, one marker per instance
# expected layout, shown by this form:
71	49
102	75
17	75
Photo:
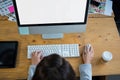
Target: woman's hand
36	57
88	54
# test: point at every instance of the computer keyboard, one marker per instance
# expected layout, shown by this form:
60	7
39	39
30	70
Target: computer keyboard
64	50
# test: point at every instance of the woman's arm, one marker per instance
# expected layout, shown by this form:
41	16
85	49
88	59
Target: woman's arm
31	71
86	68
36	59
85	72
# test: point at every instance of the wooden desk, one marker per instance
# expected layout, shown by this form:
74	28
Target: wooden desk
101	33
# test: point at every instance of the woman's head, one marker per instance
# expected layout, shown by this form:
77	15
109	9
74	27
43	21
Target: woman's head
54	67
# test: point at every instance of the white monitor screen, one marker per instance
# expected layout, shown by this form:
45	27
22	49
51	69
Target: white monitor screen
30	12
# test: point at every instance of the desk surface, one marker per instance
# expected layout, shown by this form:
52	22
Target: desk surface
101	33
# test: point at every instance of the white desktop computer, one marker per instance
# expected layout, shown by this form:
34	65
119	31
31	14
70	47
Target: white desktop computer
51	18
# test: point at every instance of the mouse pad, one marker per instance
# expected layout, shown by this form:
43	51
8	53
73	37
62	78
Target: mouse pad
8	54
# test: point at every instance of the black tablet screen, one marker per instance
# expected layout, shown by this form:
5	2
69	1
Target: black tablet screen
8	53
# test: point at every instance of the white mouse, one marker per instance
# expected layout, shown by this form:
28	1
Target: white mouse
88	46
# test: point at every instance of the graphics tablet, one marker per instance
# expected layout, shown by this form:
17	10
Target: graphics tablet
8	54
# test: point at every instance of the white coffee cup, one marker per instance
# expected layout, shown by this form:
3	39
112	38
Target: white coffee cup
107	56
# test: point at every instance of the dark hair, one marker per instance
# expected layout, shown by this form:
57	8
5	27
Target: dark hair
54	67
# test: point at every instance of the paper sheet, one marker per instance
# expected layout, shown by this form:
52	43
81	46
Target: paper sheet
105	7
7	9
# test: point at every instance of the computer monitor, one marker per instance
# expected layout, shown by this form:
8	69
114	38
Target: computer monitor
51	17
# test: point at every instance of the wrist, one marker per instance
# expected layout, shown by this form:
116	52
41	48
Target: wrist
34	63
87	62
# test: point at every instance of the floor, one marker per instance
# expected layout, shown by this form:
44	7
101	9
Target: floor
118	26
110	77
116	10
115	77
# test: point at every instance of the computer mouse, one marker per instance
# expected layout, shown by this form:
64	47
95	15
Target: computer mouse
88	46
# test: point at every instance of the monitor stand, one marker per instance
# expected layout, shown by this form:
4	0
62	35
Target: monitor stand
52	36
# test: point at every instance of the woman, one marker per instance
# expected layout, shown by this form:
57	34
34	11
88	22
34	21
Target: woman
54	67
